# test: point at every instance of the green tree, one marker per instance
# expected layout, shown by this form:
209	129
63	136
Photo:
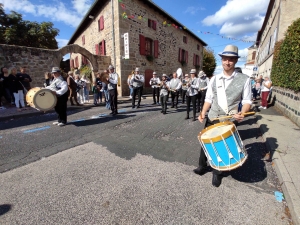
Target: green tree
286	61
209	61
16	31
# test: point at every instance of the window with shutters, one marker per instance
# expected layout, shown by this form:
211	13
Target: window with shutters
198	47
183	56
148	47
152	24
184	39
196	60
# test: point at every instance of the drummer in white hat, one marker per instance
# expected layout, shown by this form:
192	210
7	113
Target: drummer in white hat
59	87
224	93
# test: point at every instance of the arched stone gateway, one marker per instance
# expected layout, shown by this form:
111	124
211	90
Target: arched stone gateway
40	60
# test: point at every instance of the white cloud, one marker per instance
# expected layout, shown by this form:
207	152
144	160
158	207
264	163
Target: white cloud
81	6
62	42
56	11
193	10
238	17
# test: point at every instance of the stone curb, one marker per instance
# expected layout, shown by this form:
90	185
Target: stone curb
290	192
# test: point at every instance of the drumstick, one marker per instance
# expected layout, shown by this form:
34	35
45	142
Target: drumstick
229	117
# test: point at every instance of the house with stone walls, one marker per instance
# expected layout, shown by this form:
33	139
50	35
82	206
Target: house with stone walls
249	68
279	16
136	33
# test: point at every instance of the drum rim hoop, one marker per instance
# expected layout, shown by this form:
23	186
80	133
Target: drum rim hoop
218	138
232	166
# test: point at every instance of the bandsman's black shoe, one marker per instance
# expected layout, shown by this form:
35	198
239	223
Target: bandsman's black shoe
216	180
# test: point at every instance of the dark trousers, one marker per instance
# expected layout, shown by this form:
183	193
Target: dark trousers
155	94
113	98
73	94
190	99
61	108
137	91
254	93
183	95
174	97
163	102
202	157
200	100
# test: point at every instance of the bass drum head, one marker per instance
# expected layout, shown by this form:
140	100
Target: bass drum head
44	100
30	95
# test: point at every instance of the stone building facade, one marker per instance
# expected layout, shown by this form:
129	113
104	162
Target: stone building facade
156	41
280	14
249	65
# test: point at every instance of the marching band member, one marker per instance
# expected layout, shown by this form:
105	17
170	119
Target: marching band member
191	93
185	81
137	82
59	87
164	89
224	93
175	86
203	82
112	90
154	81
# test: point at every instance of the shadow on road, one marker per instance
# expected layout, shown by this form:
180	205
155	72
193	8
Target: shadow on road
5	208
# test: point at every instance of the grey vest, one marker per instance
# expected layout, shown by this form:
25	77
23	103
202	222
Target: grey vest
202	83
234	93
55	82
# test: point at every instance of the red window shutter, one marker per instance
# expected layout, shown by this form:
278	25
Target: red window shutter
179	55
156	49
154	25
186	56
97	49
198	61
103	48
149	23
101	23
83	39
142	45
82	59
72	63
76	62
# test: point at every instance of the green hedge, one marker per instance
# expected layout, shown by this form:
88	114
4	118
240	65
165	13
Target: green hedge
286	61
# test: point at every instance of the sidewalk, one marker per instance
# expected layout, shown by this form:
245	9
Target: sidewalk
282	139
10	112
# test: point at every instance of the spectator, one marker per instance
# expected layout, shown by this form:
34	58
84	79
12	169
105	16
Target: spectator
257	86
129	85
7	93
105	91
96	91
25	78
80	85
16	88
265	90
72	85
253	88
86	88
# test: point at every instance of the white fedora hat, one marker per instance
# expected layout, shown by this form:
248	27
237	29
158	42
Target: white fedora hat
201	74
137	69
231	51
193	71
55	69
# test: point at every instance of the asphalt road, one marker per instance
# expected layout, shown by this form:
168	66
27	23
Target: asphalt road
134	168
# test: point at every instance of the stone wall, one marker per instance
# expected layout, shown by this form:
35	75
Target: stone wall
38	61
288	102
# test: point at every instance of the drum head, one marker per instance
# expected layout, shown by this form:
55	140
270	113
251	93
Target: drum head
217	131
44	100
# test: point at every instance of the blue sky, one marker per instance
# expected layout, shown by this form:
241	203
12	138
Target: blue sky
238	20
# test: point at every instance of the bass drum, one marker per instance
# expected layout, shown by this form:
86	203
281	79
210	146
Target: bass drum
41	99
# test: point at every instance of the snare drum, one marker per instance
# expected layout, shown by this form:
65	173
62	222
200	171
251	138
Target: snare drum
41	99
223	146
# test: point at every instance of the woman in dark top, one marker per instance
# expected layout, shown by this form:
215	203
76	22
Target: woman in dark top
8	95
16	88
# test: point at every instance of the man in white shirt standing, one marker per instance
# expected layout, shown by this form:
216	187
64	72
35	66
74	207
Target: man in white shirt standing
112	90
154	82
224	93
59	87
175	86
137	81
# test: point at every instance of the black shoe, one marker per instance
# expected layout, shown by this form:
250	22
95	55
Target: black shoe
200	170
154	103
161	111
187	117
137	107
164	112
194	119
133	107
111	113
216	180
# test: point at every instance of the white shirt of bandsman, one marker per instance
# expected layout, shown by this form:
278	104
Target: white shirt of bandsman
175	83
137	80
193	85
154	81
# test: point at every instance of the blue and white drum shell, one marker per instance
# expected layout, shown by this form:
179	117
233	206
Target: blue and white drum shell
223	146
